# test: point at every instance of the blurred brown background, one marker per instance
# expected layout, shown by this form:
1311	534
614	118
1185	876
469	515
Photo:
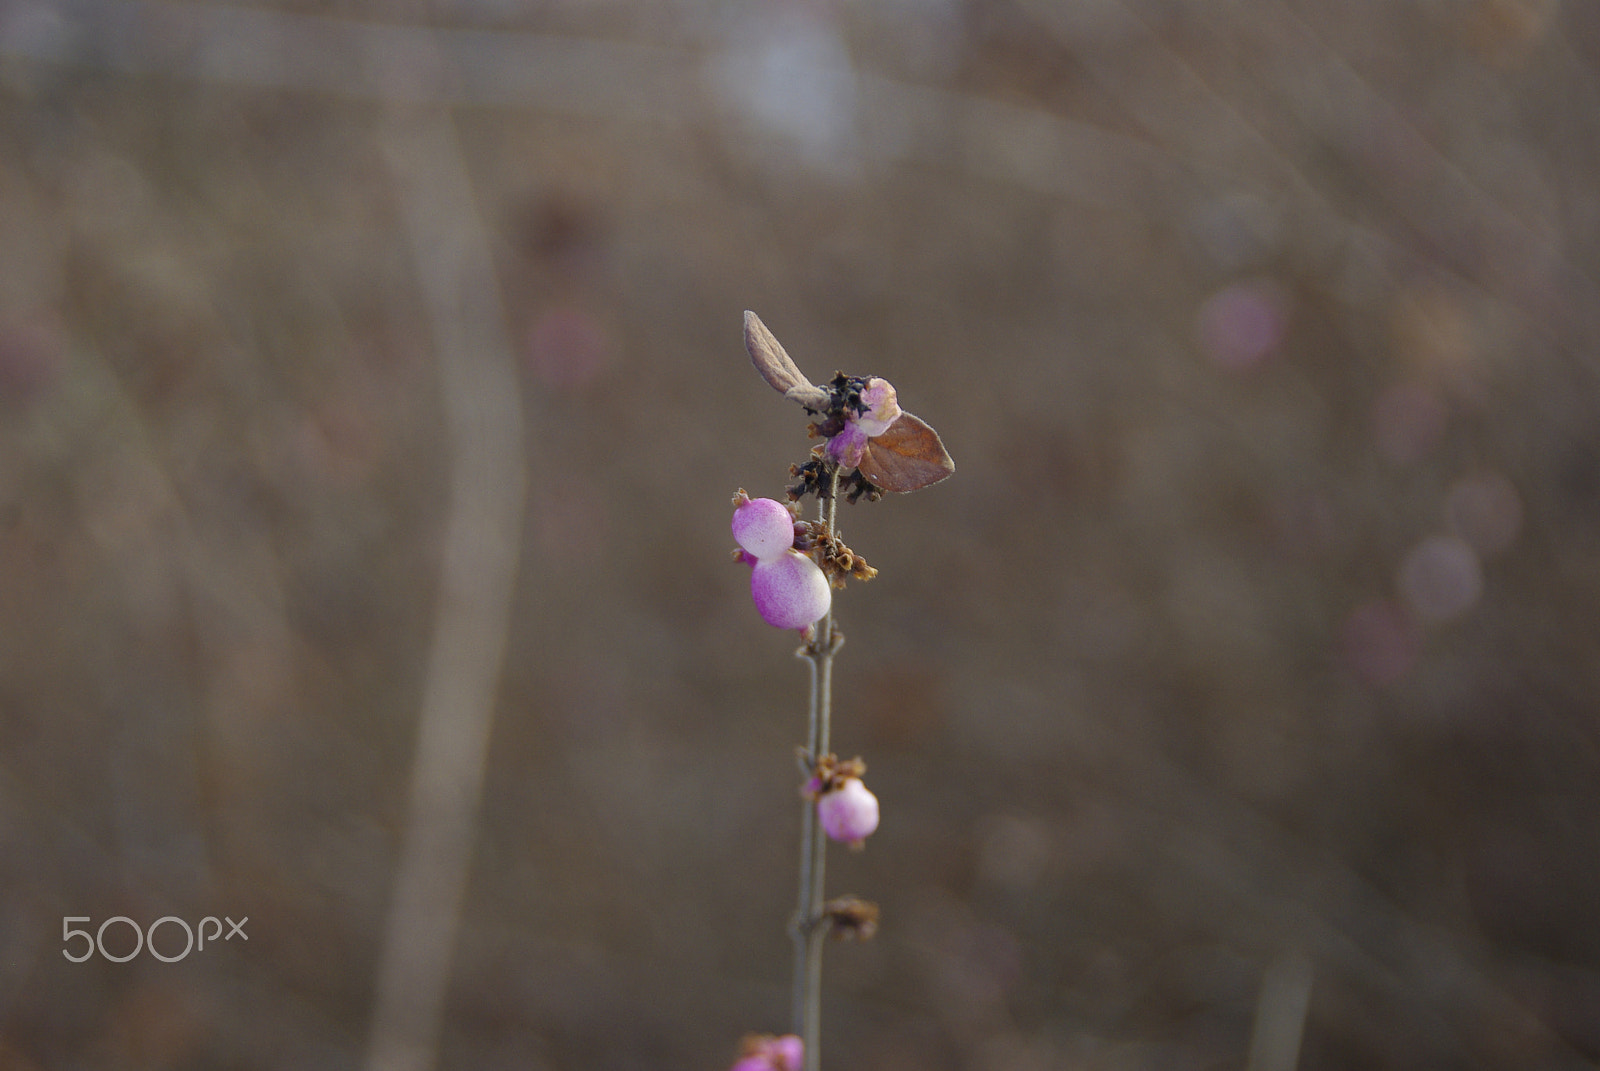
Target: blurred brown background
1252	646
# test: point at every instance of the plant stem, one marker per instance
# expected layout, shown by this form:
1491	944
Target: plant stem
484	428
809	928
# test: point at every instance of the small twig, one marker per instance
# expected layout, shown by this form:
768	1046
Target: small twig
810	927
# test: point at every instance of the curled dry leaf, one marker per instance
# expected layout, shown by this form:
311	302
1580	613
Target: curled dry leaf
908	456
777	368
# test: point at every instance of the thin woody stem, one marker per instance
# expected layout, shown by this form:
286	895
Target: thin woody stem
810	929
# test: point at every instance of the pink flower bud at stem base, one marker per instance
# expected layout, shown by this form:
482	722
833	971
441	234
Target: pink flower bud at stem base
763	1052
848	812
788	1052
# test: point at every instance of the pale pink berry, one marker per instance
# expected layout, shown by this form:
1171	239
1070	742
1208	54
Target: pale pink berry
788	1052
848	812
848	447
763	1052
790	590
763	527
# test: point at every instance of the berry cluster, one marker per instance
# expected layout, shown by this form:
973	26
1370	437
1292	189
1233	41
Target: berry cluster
789	589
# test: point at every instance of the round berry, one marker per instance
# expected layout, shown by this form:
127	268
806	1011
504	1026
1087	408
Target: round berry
764	527
848	813
790	590
848	447
763	1052
787	1053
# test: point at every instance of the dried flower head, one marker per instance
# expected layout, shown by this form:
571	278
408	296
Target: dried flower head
837	560
851	918
867	433
869	410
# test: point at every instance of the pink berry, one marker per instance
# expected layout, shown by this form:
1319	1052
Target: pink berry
788	1053
790	590
849	445
763	1052
764	527
848	813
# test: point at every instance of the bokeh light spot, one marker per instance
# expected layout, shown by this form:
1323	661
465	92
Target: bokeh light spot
1381	642
1240	325
31	357
1486	511
567	348
1408	420
1441	578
